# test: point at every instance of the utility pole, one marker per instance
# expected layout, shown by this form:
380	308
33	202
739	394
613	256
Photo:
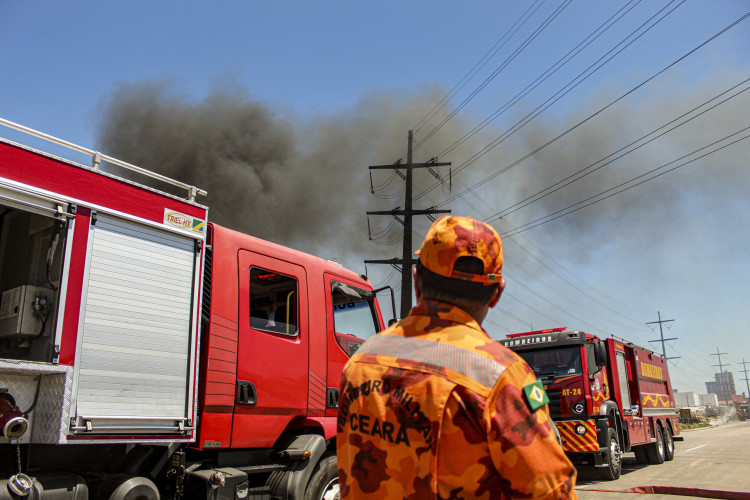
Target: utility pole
721	367
407	259
720	385
745	379
661	335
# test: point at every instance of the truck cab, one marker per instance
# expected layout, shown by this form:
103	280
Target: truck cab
607	397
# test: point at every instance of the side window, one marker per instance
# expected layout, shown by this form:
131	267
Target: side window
354	318
273	302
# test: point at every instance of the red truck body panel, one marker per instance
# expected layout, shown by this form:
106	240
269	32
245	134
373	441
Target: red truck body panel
178	348
291	374
630	389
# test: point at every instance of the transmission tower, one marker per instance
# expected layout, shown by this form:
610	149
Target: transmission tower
407	259
661	335
745	379
721	367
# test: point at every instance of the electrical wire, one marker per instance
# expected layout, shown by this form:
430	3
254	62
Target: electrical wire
580	174
480	64
616	189
549	259
389	196
603	28
559	96
557	293
497	71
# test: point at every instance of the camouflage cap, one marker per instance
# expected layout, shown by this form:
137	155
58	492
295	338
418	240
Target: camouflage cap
451	237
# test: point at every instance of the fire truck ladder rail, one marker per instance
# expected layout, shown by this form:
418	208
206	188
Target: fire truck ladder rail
627	342
97	157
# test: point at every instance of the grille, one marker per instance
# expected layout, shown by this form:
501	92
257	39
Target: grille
555	410
206	302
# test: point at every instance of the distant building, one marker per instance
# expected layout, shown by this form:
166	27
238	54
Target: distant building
687	399
723	386
709	400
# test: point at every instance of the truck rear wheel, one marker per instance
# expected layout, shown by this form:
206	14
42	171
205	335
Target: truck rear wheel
613	457
324	482
655	451
668	444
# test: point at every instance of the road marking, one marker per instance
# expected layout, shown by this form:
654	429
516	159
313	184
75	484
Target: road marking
691	449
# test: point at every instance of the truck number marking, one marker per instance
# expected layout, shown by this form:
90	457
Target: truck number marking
571	392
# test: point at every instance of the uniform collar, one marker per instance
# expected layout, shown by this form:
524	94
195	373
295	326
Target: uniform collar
445	312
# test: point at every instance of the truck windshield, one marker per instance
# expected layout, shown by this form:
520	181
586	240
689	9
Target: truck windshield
354	316
554	362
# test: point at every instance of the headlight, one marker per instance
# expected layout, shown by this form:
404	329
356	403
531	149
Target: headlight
580	429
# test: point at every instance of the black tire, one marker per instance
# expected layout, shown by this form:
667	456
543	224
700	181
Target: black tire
324	481
613	458
668	444
640	455
126	487
655	451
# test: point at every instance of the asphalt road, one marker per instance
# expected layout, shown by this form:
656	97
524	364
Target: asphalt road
714	458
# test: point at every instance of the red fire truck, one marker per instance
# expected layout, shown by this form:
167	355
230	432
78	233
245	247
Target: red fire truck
147	353
607	397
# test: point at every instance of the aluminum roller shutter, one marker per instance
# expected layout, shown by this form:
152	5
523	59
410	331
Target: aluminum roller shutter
134	356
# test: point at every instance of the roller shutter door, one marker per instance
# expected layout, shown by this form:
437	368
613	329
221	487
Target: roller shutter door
134	352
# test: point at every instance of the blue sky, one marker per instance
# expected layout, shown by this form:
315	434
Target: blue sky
336	85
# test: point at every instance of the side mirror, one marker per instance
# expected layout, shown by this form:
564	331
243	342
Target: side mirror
393	302
600	355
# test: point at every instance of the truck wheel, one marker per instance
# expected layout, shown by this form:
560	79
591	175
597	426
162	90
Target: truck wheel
613	457
655	451
324	482
126	487
668	444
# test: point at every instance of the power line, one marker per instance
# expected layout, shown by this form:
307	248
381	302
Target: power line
616	189
497	71
479	65
555	98
544	76
585	120
591	297
589	169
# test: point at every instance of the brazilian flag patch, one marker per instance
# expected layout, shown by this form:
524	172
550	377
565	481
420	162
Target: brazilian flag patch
535	395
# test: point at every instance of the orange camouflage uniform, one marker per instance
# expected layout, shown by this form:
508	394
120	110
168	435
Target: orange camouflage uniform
434	408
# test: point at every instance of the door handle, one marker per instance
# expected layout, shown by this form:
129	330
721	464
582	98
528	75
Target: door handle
246	393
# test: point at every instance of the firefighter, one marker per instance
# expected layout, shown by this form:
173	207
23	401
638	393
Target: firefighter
433	407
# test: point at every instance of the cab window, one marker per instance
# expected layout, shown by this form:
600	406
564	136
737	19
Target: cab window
273	302
354	316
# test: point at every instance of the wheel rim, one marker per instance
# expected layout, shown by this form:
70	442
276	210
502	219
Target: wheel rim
614	455
331	491
660	446
670	442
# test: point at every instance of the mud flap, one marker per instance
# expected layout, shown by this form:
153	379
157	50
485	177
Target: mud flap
291	484
601	438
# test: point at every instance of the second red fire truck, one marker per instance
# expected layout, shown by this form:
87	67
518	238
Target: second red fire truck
607	396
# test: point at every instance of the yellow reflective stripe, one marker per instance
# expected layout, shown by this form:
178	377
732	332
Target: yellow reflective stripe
440	355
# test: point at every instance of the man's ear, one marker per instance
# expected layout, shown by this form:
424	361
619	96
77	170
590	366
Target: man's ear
496	298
